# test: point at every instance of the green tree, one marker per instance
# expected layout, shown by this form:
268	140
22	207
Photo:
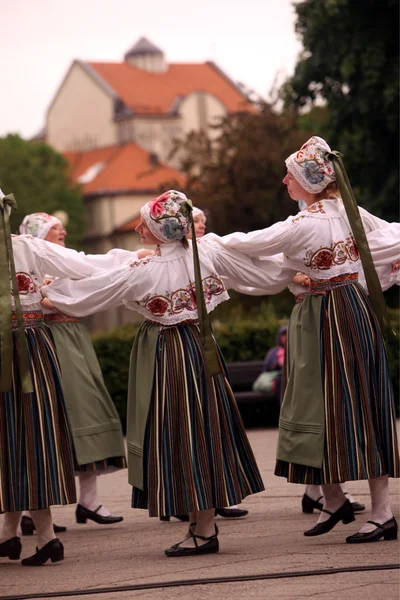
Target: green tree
38	178
351	61
236	175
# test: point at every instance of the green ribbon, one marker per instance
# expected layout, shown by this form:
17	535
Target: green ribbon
7	273
210	350
374	286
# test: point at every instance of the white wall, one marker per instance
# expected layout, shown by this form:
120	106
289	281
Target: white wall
199	110
81	114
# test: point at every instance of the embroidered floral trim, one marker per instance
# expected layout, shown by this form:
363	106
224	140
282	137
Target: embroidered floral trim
337	254
317	207
141	261
173	303
27	283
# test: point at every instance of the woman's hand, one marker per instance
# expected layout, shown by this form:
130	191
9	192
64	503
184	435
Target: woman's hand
45	303
301	279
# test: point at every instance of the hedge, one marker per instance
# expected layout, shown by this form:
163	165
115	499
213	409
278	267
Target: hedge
240	338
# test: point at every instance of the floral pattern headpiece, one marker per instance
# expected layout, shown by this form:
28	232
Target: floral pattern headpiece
309	166
168	217
38	224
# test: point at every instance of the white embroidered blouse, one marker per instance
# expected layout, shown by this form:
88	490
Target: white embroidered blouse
318	242
161	287
34	258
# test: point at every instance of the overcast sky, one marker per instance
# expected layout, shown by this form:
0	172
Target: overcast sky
251	40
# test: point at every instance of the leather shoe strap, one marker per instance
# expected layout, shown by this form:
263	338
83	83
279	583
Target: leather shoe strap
376	524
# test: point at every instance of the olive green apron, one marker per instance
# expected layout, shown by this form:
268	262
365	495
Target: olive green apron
140	388
302	418
95	425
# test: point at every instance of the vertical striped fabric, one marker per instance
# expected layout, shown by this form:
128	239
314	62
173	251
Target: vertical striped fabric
360	423
196	454
36	460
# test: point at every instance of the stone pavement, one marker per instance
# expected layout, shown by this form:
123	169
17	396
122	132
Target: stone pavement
269	540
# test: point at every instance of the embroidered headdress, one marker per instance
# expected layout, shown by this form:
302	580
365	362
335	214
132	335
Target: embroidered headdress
168	217
38	224
197	212
310	166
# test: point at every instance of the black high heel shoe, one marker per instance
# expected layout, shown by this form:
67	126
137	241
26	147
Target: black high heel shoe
210	547
28	526
386	530
345	514
53	551
184	518
83	514
308	504
11	548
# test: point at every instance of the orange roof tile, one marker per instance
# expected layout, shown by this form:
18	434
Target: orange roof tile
118	169
155	93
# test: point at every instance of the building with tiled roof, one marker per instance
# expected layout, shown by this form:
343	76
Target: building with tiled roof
117	123
142	99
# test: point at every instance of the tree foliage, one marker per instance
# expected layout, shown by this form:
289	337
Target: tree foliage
351	61
236	174
38	178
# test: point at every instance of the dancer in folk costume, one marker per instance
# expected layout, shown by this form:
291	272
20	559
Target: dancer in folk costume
36	457
188	452
95	426
337	420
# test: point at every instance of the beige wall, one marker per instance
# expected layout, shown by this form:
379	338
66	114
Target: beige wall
199	110
81	115
156	135
106	213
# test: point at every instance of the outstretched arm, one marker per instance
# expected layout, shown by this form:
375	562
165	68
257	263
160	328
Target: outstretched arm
269	275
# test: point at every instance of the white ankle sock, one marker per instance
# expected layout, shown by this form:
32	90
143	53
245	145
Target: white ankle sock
333	499
44	526
313	491
346	492
380	503
88	493
9	525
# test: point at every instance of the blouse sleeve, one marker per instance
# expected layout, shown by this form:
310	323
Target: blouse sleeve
264	242
113	258
242	289
372	223
79	298
385	249
268	275
59	261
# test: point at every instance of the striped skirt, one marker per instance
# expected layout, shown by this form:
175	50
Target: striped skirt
360	422
36	458
196	452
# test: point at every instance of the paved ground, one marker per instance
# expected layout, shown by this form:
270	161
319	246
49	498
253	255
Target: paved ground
269	540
